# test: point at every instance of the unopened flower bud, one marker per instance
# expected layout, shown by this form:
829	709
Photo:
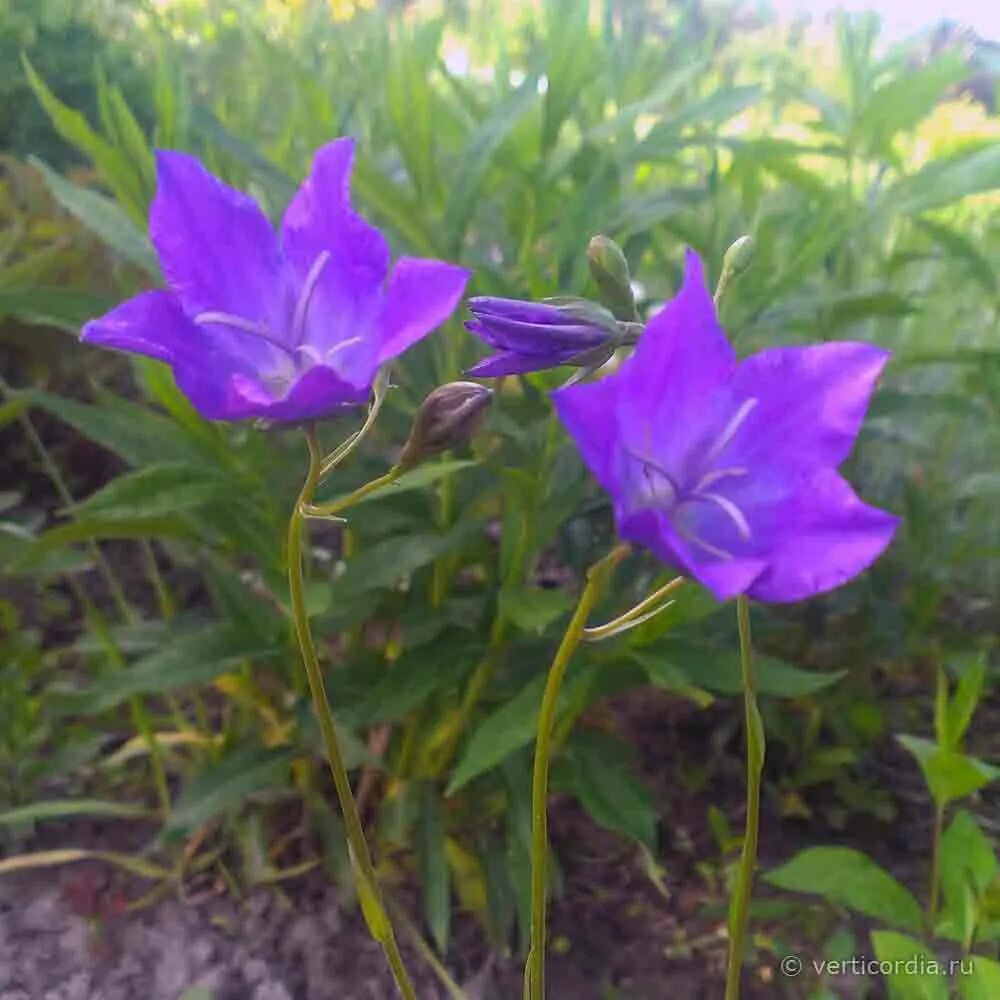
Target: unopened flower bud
448	417
609	269
739	256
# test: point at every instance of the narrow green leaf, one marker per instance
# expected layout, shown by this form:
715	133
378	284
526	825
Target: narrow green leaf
607	789
534	609
849	878
435	876
103	217
154	491
60	808
192	658
225	785
512	726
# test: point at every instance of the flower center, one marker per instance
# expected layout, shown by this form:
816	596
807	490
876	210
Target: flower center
659	489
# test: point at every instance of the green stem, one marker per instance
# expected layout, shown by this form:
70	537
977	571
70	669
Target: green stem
739	907
932	896
364	871
334	507
597	578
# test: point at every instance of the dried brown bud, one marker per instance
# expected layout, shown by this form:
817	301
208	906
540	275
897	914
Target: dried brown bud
448	418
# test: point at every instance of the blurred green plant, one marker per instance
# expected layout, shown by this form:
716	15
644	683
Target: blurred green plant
964	872
505	136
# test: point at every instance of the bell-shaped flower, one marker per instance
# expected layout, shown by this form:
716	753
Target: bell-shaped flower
727	469
285	328
532	336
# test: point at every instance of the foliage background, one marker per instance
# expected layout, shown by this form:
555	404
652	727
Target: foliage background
142	547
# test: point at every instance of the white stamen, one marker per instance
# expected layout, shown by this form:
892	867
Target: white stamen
735	514
308	287
691	537
716	475
349	342
244	325
729	431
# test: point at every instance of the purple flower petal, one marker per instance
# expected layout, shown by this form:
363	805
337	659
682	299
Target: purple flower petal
517	309
588	411
420	296
541	339
724	577
828	536
318	393
152	323
681	358
217	250
809	402
338	258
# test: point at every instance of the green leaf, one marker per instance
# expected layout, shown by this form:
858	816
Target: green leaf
226	784
387	561
949	775
719	670
964	701
480	149
665	674
968	867
511	726
983	982
63	308
133	432
964	250
60	808
41	550
534	609
192	658
943	181
921	975
104	218
154	491
413	678
904	100
435	876
849	878
598	775
73	127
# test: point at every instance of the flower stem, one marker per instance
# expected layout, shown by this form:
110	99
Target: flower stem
597	578
334	507
740	904
369	893
932	897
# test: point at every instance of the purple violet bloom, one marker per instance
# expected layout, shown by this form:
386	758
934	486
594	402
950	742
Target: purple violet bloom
531	336
285	329
726	468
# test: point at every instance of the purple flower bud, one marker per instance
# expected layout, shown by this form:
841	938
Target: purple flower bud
449	417
531	336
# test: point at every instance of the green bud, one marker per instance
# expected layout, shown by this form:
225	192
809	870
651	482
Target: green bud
449	417
739	256
610	272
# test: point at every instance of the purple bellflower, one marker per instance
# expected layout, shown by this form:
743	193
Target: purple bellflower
727	469
282	328
531	336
